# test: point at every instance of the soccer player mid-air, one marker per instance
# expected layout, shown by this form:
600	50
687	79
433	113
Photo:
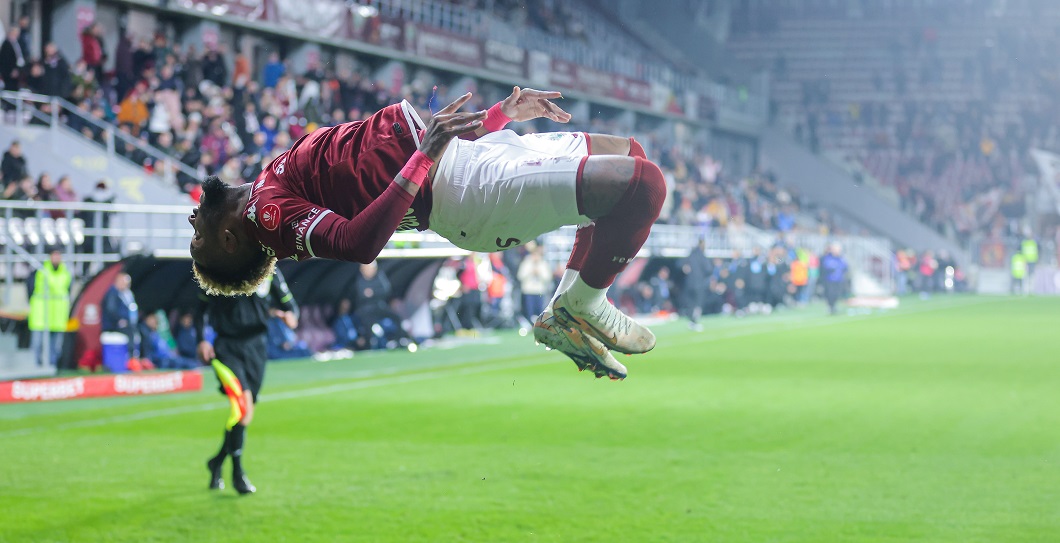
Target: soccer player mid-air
341	192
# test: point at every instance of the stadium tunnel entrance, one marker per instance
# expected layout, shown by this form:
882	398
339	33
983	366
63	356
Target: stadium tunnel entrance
318	285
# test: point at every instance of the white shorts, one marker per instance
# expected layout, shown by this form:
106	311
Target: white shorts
503	189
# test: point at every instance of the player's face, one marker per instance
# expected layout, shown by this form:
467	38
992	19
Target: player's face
203	242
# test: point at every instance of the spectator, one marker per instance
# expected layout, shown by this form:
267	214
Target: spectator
64	191
214	68
928	267
347	328
12	60
373	309
57	80
535	281
240	71
661	287
124	67
98	219
155	349
272	72
13	165
283	343
120	312
92	50
25	41
45	188
469	305
185	336
49	308
834	274
800	275
132	111
22	191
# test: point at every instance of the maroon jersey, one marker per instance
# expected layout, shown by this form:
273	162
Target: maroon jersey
332	194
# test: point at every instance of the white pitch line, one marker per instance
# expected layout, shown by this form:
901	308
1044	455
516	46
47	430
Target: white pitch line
370	382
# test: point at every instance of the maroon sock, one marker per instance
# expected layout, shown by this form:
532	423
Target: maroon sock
623	231
583	239
635	150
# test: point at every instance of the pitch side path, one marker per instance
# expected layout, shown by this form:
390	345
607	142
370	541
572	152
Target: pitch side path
935	422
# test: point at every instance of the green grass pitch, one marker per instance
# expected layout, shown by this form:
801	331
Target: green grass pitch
936	422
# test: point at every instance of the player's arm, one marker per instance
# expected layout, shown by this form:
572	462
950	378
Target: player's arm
521	105
363	237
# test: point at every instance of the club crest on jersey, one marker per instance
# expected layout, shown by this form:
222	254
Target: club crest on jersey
270	216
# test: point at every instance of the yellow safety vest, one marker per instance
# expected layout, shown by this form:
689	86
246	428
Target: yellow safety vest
1019	266
1030	250
49	307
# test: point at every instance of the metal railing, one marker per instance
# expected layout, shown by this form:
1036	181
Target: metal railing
108	232
56	113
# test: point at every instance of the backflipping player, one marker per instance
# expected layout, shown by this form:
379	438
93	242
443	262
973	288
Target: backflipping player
341	192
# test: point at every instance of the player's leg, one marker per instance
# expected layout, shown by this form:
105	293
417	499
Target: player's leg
597	145
624	196
586	352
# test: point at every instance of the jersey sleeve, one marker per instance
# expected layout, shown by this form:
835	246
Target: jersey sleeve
291	227
362	238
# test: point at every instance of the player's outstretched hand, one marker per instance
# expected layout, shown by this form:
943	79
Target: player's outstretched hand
526	104
448	124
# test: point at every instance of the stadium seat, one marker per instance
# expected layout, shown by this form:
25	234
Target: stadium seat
62	229
15	229
31	229
77	231
47	231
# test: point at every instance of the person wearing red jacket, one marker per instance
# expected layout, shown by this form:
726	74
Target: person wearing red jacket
341	192
92	49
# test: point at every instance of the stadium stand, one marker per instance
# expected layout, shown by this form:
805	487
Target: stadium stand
936	104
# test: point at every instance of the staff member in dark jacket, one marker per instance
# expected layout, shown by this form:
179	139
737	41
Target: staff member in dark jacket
834	275
120	312
238	356
697	269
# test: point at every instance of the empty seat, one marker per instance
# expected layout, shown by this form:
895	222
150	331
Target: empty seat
62	229
77	230
31	229
47	231
15	230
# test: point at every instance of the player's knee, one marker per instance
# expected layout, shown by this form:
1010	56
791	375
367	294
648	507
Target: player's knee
652	186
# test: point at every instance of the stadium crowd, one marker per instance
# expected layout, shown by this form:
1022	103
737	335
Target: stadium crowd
944	118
